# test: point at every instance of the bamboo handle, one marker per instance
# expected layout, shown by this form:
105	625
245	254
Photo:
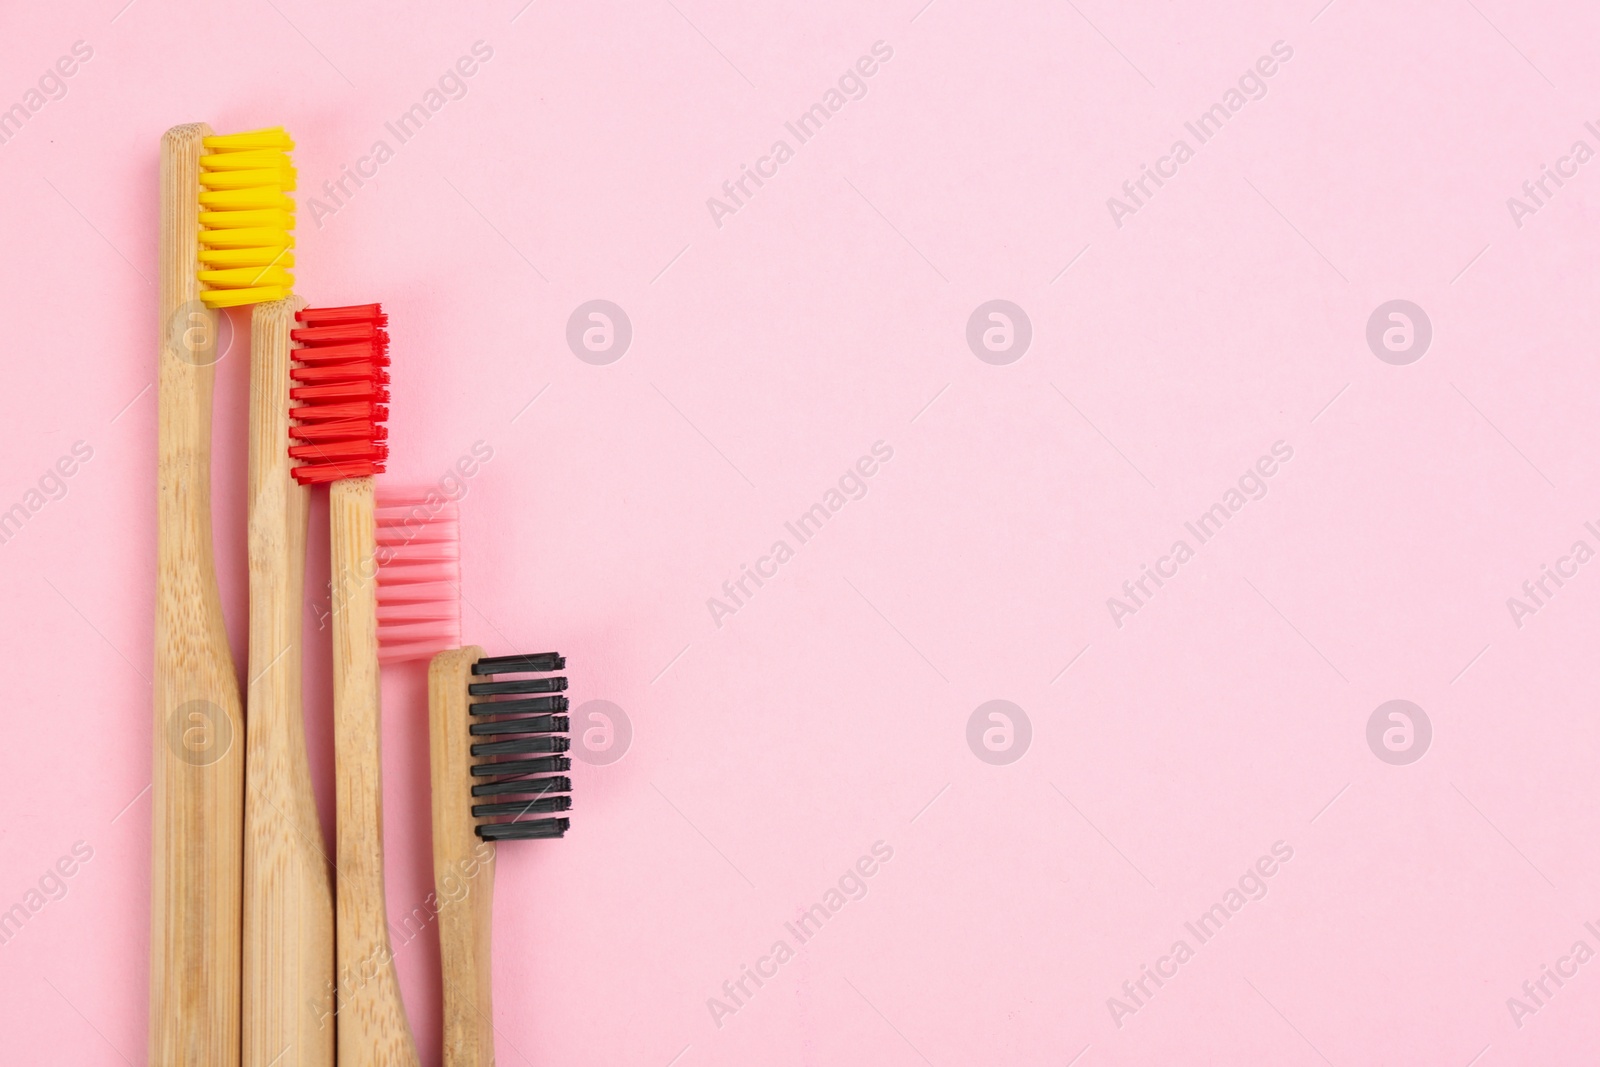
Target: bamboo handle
197	768
288	898
373	1029
463	867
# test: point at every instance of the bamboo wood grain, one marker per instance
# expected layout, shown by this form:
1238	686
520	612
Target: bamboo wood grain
373	1030
463	867
197	768
288	1013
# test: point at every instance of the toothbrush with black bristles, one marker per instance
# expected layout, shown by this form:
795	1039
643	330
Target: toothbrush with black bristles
499	738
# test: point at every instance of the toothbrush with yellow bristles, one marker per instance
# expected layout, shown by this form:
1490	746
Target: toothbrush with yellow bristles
225	242
246	252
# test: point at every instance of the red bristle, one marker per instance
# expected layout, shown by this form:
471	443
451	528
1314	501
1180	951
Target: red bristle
353	313
339	430
353	391
347	371
349	331
323	473
341	360
334	352
339	451
354	409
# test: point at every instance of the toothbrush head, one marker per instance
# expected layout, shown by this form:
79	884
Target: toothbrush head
246	218
419	575
341	381
522	719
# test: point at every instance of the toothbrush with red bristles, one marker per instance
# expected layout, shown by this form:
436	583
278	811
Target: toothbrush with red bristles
340	394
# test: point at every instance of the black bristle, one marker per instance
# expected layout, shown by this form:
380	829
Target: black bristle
513	768
510	831
523	786
522	746
534	724
517	707
519	685
540	661
537	806
526	727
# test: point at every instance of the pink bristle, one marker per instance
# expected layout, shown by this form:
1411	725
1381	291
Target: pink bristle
409	636
412	534
444	591
419	574
418	551
418	611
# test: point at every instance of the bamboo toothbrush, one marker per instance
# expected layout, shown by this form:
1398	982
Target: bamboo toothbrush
288	900
341	383
520	795
288	897
197	767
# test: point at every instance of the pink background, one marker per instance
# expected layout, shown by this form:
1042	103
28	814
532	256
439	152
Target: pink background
768	354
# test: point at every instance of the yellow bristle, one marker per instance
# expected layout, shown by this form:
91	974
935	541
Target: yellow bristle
230	298
247	257
246	218
246	277
274	137
266	218
263	236
259	196
253	159
242	179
